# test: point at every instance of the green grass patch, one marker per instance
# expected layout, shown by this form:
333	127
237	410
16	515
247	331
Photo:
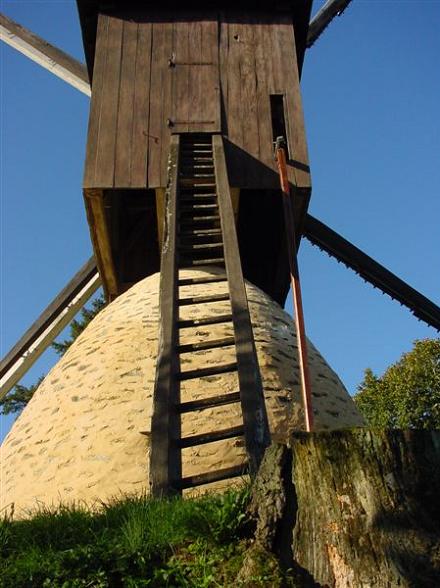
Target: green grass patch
134	542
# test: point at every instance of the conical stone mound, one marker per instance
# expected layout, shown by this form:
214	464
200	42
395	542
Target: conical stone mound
85	434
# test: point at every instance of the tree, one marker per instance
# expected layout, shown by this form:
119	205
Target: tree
15	401
407	395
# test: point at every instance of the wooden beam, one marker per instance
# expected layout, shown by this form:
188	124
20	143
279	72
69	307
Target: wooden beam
99	232
165	463
323	18
328	240
257	435
49	325
51	58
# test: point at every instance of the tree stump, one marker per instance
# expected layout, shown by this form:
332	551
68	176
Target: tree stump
353	509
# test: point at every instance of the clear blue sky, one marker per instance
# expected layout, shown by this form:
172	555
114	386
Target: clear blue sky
371	92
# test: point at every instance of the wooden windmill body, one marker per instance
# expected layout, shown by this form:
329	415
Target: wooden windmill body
180	172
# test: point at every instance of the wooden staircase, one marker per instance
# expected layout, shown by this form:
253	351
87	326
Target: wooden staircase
200	231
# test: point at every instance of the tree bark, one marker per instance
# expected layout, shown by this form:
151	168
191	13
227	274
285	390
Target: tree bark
352	509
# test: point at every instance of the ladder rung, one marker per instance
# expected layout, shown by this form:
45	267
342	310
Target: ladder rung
201	242
195	178
208	320
207	151
197	159
194	213
197	191
201	232
195	207
196	281
212	344
201	247
190	197
195	141
210	437
210	477
201	262
200	184
193	164
203	299
191	145
212	370
199	219
203	403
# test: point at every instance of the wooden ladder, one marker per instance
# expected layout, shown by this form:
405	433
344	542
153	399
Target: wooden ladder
199	230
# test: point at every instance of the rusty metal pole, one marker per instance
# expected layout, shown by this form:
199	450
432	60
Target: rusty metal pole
289	223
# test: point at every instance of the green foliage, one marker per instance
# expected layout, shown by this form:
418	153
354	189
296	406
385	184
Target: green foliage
407	395
18	398
136	542
77	326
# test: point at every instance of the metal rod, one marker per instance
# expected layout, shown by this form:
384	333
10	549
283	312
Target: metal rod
280	154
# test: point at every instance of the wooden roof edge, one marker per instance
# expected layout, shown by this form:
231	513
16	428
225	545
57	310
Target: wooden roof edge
88	14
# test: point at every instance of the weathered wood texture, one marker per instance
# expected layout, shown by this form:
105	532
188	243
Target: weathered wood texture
51	58
165	461
361	506
257	435
151	77
258	59
99	233
155	75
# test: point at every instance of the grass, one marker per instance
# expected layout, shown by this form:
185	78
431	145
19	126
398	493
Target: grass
135	542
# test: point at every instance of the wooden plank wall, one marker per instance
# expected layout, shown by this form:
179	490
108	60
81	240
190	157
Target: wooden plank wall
257	59
135	91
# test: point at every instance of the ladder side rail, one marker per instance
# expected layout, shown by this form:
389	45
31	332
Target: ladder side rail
32	351
256	427
49	314
165	461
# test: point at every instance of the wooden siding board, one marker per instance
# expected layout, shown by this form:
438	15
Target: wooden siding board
234	115
195	75
295	116
105	159
124	131
248	81
141	108
158	58
223	57
180	74
167	101
263	71
210	82
96	102
101	241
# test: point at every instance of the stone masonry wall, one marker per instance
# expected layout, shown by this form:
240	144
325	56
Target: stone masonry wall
85	434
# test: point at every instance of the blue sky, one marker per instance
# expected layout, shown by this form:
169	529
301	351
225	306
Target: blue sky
371	92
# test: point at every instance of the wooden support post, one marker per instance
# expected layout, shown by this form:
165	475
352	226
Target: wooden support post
165	464
256	427
289	222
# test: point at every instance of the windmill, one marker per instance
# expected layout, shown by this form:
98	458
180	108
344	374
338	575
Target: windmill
313	229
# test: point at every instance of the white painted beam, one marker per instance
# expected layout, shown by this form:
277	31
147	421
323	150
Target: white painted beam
323	18
51	58
33	352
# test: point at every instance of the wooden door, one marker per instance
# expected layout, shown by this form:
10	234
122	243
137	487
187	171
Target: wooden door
195	104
